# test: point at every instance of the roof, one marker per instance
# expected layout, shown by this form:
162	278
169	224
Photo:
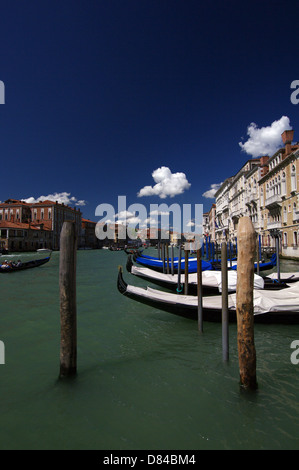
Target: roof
13	202
21	226
89	221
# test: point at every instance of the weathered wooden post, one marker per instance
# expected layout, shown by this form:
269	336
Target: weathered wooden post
199	292
163	257
159	253
167	258
186	271
245	312
224	294
257	259
179	288
277	256
172	258
68	307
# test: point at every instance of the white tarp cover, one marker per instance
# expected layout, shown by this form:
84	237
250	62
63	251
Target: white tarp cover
284	276
209	278
284	300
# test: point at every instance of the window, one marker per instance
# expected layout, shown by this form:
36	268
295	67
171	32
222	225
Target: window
285	239
295	238
293	178
283	184
285	217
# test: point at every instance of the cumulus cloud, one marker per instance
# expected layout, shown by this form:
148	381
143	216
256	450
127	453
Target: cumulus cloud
63	197
265	140
156	212
167	184
210	194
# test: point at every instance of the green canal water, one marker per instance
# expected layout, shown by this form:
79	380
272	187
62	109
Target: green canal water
146	378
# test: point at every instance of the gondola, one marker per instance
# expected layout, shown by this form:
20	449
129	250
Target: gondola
25	265
133	251
157	264
211	280
269	307
263	266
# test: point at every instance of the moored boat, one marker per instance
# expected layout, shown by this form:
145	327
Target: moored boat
269	306
20	266
211	280
157	264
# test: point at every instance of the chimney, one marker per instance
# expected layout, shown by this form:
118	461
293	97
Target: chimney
287	138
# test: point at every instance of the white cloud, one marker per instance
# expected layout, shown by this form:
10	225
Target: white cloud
59	197
190	224
151	220
124	215
155	212
210	194
167	184
266	140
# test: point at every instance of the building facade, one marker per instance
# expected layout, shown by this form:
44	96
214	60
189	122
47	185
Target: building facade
266	189
46	216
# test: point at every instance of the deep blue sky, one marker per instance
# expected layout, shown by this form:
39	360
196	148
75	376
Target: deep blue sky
99	94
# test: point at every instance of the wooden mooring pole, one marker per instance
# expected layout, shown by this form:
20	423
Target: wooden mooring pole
186	271
224	293
68	308
199	292
172	257
179	287
244	301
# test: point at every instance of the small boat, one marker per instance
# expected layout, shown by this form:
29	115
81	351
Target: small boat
44	250
263	266
269	307
157	264
211	280
133	251
285	277
26	265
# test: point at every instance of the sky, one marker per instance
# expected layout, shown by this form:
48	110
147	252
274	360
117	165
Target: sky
159	101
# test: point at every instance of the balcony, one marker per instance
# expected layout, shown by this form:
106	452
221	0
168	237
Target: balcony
273	201
296	215
235	212
271	225
251	196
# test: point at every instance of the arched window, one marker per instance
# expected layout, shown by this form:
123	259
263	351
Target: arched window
285	239
283	184
293	178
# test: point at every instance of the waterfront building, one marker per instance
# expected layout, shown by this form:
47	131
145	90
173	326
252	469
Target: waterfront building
88	237
279	198
47	214
267	190
52	215
222	219
20	236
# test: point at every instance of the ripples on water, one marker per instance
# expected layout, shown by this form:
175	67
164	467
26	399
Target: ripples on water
146	379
